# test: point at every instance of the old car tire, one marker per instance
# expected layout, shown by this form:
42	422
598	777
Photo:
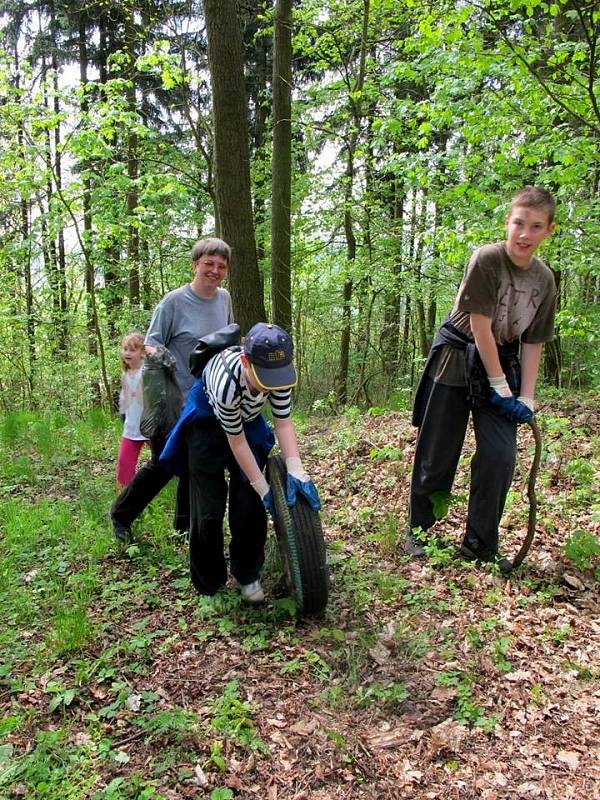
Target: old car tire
301	544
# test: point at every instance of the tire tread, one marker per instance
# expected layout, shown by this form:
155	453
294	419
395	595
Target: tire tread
301	543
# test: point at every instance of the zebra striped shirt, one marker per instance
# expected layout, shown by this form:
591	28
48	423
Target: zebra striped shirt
230	397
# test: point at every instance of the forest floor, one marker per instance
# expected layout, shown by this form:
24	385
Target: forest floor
434	679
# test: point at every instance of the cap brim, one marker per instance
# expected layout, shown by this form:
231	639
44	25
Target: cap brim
274	378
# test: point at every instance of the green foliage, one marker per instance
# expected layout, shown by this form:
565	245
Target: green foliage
340	742
468	711
386	535
426	101
61	697
441	551
169	723
52	769
583	549
132	788
221	794
441	502
390	695
233	718
386	453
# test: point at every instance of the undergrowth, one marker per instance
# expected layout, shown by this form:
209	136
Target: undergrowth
117	681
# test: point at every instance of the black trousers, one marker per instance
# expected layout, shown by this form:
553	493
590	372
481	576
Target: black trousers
209	456
149	480
439	445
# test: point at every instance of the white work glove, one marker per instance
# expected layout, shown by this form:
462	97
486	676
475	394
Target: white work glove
500	386
261	487
294	467
263	490
527	401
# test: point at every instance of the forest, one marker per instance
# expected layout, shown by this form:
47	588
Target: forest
353	154
404	130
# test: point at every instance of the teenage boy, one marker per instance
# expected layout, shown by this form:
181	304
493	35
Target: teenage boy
484	361
223	430
179	320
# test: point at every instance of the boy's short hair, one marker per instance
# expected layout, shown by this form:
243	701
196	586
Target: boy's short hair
211	246
535	197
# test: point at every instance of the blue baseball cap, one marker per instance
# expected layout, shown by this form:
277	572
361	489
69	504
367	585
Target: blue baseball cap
270	351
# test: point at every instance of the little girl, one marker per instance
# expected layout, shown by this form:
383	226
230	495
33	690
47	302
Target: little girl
130	407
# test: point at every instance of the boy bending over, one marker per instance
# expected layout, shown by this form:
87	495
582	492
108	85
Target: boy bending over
231	434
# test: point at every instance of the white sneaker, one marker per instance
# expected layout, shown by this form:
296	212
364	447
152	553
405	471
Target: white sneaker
252	592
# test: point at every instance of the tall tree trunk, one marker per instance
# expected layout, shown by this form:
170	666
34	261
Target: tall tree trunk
146	286
133	241
61	267
50	248
405	359
87	189
355	102
390	335
111	253
419	287
341	390
281	281
29	314
24	212
232	161
367	295
552	350
258	77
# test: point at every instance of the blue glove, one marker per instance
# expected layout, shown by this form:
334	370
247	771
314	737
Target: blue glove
511	408
306	488
268	503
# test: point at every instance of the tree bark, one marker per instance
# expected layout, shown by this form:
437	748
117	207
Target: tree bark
355	103
552	350
232	161
61	267
133	241
258	49
87	190
419	278
390	335
50	249
281	279
113	293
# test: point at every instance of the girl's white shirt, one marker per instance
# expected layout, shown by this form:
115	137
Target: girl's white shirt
131	403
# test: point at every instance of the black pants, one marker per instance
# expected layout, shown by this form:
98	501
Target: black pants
438	450
149	480
209	456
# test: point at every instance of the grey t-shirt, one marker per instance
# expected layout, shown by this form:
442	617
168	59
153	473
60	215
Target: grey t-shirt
520	301
180	319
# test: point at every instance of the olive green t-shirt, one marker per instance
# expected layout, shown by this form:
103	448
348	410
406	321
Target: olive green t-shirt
521	303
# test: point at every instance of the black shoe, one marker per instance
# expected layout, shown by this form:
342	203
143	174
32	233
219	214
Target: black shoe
122	532
482	554
414	547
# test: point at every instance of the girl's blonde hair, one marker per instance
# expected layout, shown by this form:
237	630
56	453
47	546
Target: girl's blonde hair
136	340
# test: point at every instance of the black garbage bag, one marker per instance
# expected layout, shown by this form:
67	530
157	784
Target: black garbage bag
211	344
162	396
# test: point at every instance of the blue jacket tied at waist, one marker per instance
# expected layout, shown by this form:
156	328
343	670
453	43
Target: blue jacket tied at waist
258	432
